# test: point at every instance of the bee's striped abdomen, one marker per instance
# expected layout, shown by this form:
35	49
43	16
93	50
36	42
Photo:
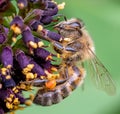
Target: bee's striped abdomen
49	97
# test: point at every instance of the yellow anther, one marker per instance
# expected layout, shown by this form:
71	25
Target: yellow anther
15	29
21	5
3	71
54	69
40	28
29	75
26	70
11	95
22	86
40	44
14	89
16	101
42	77
8	77
9	105
49	75
61	6
15	107
9	99
9	66
14	39
30	66
28	102
49	57
33	44
35	75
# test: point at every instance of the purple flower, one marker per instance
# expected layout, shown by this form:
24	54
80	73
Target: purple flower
17	25
7	81
7	56
46	65
46	19
37	69
22	59
51	10
28	38
22	4
42	53
35	25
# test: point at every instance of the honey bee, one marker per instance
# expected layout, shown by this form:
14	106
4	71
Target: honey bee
75	47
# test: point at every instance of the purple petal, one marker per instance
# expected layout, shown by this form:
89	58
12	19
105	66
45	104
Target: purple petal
21	98
7	83
41	53
37	69
18	21
46	20
7	56
22	59
27	36
46	65
52	9
34	25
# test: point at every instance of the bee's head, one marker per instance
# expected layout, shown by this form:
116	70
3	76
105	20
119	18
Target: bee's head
71	24
70	28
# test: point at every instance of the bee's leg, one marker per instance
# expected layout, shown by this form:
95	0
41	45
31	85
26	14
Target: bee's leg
59	46
76	70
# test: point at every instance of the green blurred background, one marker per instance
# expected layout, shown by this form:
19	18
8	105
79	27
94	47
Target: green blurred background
102	19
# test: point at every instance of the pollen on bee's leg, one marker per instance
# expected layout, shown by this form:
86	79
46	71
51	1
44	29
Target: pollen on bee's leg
50	84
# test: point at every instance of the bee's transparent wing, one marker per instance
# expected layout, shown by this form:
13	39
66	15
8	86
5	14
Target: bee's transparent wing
100	75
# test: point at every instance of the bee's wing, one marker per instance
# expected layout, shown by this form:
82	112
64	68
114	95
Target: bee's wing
100	75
